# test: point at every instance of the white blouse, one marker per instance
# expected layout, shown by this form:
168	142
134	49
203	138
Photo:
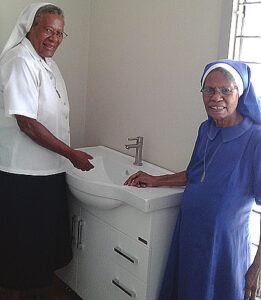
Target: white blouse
32	87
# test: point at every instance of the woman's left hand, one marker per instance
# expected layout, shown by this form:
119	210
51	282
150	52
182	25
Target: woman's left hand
251	278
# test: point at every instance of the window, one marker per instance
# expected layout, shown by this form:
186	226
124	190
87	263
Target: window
245	41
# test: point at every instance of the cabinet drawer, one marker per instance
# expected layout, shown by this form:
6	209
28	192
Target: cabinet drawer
129	254
106	280
102	240
125	286
133	222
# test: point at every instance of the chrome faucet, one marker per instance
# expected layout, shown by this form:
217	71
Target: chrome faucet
138	147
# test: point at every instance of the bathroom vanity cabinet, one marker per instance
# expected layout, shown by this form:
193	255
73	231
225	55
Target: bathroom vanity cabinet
119	254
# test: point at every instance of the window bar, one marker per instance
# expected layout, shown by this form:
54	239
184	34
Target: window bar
258	292
249	36
246	3
236	11
242	28
252	63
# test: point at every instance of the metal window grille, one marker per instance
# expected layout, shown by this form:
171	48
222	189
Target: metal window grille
245	42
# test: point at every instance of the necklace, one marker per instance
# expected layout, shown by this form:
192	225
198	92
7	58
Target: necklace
211	158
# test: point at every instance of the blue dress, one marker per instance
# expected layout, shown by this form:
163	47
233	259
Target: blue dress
210	250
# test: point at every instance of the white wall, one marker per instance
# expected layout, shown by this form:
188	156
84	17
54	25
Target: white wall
133	67
71	56
146	59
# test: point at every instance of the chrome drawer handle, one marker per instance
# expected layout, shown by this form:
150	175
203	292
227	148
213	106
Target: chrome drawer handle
126	255
79	236
125	289
74	220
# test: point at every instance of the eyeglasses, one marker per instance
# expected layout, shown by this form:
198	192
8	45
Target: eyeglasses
60	35
222	91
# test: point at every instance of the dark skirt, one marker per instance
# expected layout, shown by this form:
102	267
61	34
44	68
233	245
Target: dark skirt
34	229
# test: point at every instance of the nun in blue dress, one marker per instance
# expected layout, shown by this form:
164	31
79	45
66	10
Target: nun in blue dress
209	257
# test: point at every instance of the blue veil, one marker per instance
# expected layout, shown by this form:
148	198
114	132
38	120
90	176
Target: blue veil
248	104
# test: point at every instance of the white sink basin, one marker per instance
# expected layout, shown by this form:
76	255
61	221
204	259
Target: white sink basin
103	188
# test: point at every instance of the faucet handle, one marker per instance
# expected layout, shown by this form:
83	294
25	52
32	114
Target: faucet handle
133	139
138	139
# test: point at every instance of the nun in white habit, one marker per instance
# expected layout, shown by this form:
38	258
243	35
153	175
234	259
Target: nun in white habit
35	153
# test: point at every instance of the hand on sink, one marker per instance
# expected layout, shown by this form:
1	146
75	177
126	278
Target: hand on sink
141	179
80	160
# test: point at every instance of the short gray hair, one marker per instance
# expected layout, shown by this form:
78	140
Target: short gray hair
49	8
229	77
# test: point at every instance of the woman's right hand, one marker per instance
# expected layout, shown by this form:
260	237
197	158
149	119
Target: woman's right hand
141	179
80	160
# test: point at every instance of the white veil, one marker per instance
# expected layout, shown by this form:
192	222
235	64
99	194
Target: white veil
22	27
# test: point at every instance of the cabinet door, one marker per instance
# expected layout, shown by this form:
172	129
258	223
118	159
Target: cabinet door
69	273
103	272
92	244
